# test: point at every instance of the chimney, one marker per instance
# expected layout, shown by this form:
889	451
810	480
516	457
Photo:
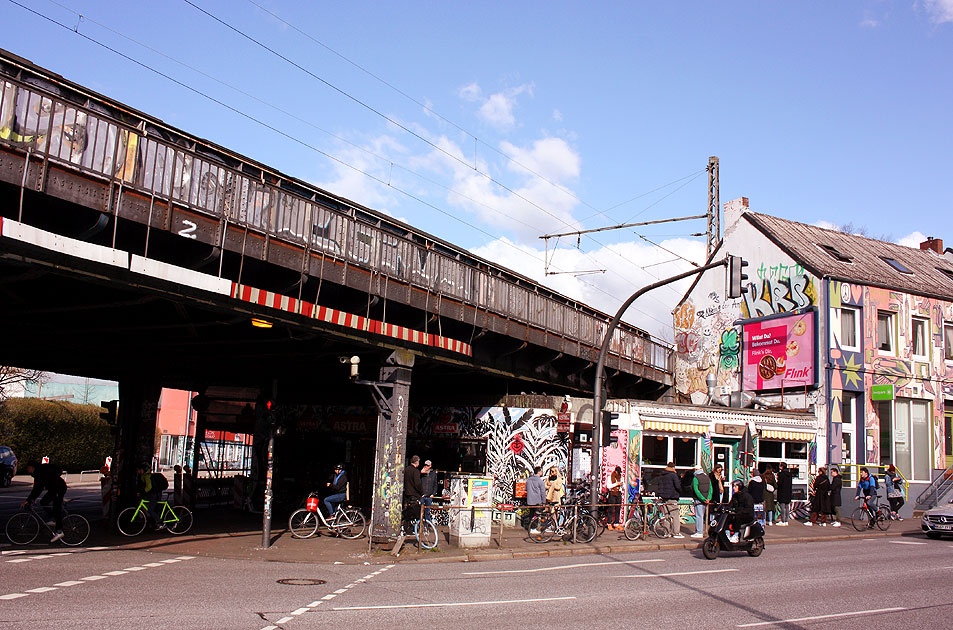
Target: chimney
933	244
734	209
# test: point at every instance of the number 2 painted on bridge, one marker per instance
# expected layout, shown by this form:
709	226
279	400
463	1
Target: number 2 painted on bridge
189	230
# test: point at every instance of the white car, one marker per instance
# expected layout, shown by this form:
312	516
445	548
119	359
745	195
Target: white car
938	521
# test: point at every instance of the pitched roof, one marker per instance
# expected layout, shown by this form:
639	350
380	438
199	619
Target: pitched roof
859	259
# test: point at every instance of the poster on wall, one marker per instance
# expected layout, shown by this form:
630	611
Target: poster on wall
779	352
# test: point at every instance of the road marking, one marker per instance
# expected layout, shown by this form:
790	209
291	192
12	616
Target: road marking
13	596
170	561
152	564
93	578
70	583
313	604
284	620
832	616
185	557
446	604
329	596
41	589
300	611
115	572
564	566
134	569
905	542
660	575
340	590
21	560
12	552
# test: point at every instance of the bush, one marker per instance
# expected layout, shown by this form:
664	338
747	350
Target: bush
72	436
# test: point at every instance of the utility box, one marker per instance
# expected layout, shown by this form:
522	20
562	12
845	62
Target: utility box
471	510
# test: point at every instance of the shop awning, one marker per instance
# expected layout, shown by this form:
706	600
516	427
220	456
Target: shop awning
675	427
781	434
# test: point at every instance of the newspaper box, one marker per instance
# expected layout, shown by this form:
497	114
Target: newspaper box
471	514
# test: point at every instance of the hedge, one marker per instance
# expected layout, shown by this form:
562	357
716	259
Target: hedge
72	436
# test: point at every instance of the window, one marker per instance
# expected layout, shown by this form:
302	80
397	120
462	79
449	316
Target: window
794	454
946	272
849	333
834	253
948	342
896	264
885	331
905	436
658	450
848	409
920	329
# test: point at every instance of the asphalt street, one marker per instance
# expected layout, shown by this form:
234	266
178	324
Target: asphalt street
870	584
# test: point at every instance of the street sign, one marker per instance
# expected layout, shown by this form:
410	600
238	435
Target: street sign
563	421
882	392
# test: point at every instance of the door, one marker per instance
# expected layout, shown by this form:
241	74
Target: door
722	456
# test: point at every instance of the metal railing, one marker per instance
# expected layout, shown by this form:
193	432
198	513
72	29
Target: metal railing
934	493
168	167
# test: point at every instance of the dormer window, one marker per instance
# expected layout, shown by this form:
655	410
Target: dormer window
834	253
946	272
896	264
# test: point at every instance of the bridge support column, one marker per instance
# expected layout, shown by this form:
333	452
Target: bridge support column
393	405
138	415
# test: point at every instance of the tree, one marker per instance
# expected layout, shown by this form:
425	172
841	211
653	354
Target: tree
13	376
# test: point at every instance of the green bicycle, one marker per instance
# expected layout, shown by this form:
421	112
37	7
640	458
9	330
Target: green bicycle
176	519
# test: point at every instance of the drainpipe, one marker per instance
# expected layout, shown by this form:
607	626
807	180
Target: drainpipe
828	368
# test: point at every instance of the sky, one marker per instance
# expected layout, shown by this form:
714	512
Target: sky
490	124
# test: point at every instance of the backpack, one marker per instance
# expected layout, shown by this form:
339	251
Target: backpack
159	482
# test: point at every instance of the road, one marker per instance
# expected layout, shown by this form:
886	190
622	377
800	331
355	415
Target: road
878	583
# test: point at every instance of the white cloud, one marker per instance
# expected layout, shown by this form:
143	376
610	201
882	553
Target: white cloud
471	92
912	240
940	11
827	225
352	183
869	22
557	115
498	111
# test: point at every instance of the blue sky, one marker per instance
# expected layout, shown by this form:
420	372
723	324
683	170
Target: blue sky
490	124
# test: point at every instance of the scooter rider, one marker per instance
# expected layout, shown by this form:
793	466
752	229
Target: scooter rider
742	506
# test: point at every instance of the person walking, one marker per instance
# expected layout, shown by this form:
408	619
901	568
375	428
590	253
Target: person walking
770	487
669	489
48	477
756	490
614	498
701	499
338	489
893	482
412	489
820	498
785	492
535	491
836	485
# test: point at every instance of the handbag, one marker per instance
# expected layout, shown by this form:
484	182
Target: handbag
769	487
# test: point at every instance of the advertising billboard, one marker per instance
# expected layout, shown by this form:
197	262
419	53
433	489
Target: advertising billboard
779	352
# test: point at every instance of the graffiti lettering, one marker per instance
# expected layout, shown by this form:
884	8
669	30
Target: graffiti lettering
189	230
774	295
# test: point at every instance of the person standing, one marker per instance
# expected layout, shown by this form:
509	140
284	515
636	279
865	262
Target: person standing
785	492
338	489
820	498
701	499
615	497
428	486
535	491
893	482
555	487
48	477
718	489
669	489
770	487
756	490
412	489
836	485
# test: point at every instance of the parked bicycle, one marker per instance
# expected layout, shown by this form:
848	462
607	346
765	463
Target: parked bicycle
567	522
346	522
175	519
424	531
24	526
867	517
655	520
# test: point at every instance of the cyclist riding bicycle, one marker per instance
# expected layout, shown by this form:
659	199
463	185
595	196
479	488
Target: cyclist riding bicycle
150	492
867	487
48	477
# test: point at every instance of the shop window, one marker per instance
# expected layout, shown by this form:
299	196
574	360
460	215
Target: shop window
920	328
886	329
683	451
658	450
849	329
948	342
654	450
767	448
796	450
905	437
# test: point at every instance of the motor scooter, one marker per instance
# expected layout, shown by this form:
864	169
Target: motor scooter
750	539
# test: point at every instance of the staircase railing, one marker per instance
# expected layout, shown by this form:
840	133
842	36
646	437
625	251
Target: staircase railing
934	493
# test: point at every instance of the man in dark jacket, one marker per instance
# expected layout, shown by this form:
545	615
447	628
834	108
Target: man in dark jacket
836	485
820	498
670	489
48	477
742	506
785	492
338	489
413	489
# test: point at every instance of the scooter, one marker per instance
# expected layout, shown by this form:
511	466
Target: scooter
750	539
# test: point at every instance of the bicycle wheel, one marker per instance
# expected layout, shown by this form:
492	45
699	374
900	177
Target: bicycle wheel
586	528
75	530
303	524
426	533
184	522
349	524
662	528
883	518
545	531
131	521
22	528
860	519
633	528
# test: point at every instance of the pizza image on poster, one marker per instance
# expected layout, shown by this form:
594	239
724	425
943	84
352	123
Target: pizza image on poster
779	352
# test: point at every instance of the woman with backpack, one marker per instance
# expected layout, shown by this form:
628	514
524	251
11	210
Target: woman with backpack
894	484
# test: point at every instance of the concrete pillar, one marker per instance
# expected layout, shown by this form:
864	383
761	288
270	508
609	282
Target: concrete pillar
138	416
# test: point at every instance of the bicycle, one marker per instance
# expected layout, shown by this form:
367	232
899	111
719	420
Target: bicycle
176	519
582	526
346	522
24	526
425	531
866	516
656	521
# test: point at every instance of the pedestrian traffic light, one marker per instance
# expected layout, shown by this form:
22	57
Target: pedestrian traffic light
112	410
609	427
736	276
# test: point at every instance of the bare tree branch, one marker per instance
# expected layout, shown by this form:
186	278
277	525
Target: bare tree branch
11	376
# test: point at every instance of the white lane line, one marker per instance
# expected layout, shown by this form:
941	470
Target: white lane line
299	611
19	552
13	596
905	542
96	548
93	578
42	556
70	583
170	561
284	620
270	628
329	596
660	575
564	566
832	616
41	589
185	557
21	560
152	564
134	569
313	604
446	604
340	590
115	572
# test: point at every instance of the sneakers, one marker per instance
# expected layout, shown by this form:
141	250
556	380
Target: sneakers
808	524
697	535
733	538
784	524
678	536
823	524
57	535
835	524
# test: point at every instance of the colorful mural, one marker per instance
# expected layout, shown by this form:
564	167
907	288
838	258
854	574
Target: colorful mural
779	289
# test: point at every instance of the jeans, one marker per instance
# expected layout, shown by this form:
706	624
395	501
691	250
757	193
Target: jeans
428	501
785	512
700	509
332	502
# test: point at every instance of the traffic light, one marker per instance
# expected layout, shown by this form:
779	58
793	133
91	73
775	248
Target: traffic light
736	276
608	427
112	410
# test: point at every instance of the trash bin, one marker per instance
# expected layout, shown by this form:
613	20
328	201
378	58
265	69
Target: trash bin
471	510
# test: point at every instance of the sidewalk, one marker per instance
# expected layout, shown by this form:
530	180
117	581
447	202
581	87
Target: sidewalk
225	533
